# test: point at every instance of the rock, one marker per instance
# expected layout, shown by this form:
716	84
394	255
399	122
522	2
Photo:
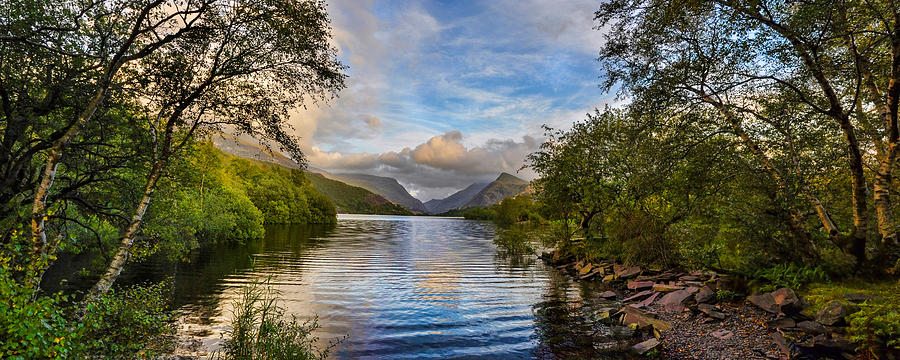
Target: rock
604	313
639	295
639	285
782	322
833	342
665	288
858	297
832	313
630	272
811	327
608	295
721	334
782	343
710	311
689	278
585	269
642	318
609	278
705	295
787	301
643	347
649	300
674	301
766	302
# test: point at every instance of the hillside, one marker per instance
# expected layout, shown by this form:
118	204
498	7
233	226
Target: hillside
353	199
455	201
384	186
504	186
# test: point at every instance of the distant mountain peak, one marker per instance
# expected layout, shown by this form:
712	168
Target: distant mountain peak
507	177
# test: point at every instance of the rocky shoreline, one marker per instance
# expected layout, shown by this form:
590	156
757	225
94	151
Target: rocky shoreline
707	315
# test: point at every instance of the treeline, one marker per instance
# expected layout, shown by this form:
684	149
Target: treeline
101	107
751	133
506	213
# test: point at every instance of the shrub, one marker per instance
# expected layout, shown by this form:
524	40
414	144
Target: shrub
260	330
130	324
875	328
516	240
790	276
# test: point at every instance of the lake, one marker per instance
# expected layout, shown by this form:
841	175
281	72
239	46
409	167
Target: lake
399	287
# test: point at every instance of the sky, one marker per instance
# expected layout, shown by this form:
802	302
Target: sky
442	94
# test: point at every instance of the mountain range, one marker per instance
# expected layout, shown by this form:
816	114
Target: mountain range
371	194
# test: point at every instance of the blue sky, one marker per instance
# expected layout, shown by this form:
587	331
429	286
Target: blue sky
445	93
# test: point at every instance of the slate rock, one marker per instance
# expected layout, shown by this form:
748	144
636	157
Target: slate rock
710	311
639	296
640	285
811	327
644	347
833	313
705	295
787	301
665	288
721	334
674	301
642	319
629	272
766	302
782	322
608	295
858	297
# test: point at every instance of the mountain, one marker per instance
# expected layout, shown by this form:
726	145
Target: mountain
246	149
457	200
505	186
384	186
353	198
350	199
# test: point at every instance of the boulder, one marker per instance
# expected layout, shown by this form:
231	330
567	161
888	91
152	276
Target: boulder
833	313
608	295
642	319
665	288
644	347
766	302
812	327
640	285
705	295
710	311
674	301
787	301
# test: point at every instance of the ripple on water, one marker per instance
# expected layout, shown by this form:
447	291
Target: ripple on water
400	287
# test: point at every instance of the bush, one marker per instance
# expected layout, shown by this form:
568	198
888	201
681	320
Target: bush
875	328
516	240
260	331
791	276
130	324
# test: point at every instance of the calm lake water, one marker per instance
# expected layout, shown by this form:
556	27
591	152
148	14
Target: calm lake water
400	288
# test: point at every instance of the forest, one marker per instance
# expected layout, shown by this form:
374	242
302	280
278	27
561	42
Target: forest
755	138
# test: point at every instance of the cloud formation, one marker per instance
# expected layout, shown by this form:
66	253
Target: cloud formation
442	94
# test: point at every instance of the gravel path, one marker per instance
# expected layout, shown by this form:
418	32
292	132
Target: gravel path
694	337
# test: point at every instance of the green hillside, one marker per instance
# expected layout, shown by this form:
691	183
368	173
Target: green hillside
354	200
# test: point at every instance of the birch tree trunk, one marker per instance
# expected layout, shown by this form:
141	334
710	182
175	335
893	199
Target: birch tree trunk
127	242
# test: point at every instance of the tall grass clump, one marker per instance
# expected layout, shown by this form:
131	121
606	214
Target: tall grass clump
260	330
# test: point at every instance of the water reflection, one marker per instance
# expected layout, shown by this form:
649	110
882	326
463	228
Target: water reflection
400	287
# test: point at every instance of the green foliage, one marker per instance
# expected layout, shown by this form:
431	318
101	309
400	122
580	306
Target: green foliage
506	213
787	275
125	324
516	240
723	295
875	325
131	324
354	200
260	331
